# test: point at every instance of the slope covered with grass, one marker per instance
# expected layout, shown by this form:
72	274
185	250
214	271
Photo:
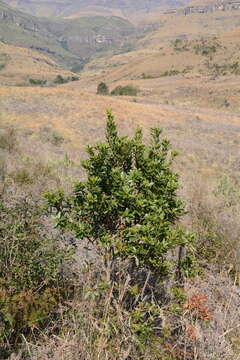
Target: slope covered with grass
67	41
70	8
20	66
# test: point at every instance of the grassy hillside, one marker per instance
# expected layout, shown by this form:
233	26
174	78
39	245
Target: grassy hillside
107	7
181	64
78	116
24	30
19	65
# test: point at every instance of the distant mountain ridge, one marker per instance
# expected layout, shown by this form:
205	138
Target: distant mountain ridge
69	41
65	8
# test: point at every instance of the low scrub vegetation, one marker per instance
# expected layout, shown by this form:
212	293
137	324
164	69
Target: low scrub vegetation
2	66
171	72
58	80
37	82
180	45
127	90
207	47
102	89
224	69
61	80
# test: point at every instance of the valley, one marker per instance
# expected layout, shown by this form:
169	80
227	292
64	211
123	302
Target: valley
70	42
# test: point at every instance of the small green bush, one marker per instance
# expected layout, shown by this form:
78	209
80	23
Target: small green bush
61	80
128	204
74	78
37	82
102	89
127	90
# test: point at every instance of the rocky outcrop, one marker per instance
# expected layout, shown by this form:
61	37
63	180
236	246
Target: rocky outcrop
218	6
230	5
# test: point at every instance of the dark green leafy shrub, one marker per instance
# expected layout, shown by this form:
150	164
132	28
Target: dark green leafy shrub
102	89
59	80
74	78
128	90
128	205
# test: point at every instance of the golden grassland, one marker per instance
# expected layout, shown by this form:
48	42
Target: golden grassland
155	57
192	25
21	64
155	53
202	78
207	139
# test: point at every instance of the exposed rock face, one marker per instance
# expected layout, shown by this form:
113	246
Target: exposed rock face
229	5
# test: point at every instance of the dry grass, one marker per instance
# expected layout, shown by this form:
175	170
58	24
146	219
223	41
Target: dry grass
219	339
79	117
23	64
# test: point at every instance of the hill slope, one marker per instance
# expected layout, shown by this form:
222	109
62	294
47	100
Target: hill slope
70	7
67	41
18	65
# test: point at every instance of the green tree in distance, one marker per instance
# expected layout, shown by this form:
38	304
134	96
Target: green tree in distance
128	205
102	89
